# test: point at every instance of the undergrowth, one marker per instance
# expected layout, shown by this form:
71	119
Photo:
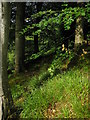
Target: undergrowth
62	95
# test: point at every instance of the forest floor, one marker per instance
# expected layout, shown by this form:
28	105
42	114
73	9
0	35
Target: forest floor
36	94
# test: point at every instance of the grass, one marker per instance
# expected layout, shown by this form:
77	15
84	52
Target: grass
70	89
60	96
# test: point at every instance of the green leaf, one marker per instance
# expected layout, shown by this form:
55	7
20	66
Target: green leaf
83	13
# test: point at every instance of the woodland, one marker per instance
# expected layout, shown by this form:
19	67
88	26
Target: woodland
44	60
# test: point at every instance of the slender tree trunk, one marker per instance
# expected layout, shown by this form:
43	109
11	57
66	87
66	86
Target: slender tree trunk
5	94
79	35
19	39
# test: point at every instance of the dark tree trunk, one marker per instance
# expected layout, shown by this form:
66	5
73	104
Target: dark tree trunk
19	39
6	102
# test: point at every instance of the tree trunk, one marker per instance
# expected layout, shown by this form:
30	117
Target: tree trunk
5	94
79	35
19	39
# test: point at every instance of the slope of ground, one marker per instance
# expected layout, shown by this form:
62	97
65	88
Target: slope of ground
65	95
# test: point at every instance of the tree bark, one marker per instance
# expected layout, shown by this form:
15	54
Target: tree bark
79	35
19	39
6	102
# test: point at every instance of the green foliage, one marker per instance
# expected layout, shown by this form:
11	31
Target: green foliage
87	9
35	56
41	53
51	24
44	76
57	64
43	13
17	91
66	16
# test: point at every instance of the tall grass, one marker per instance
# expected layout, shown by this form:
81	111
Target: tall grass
70	90
64	95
